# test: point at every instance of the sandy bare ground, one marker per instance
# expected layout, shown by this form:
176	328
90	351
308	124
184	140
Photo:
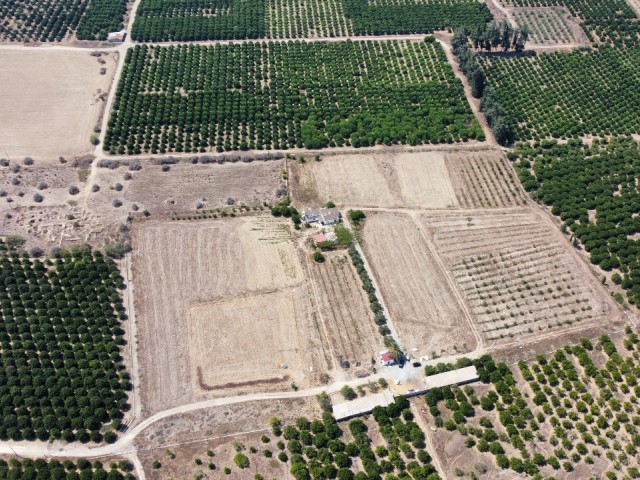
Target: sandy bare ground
424	308
51	101
181	265
518	275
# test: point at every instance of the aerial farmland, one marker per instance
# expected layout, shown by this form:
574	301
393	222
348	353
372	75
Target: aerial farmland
352	239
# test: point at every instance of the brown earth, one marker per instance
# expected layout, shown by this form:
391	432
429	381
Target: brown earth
421	180
51	101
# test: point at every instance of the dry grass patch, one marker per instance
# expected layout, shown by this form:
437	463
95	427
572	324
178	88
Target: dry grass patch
50	101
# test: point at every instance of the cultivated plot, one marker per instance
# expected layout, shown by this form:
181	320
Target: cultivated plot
195	275
422	302
218	336
516	273
344	310
419	180
51	101
550	25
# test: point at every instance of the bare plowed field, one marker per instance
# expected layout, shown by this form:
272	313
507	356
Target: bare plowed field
192	277
518	276
50	101
344	309
422	303
431	180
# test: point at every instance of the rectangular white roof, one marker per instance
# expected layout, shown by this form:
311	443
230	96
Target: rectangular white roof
454	377
362	405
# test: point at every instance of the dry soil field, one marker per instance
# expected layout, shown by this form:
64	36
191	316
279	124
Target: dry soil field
197	273
51	101
344	310
423	305
436	179
518	275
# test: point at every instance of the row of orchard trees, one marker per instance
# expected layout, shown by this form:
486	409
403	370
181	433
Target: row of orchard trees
498	35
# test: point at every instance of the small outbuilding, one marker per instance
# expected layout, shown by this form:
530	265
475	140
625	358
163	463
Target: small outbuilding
386	358
117	37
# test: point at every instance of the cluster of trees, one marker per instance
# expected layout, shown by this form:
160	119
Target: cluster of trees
501	124
61	372
568	94
315	449
54	469
574	179
378	313
162	20
283	95
392	17
613	20
502	35
577	412
285	209
54	20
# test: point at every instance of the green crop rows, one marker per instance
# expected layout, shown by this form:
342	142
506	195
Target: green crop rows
577	411
567	94
61	374
574	179
53	20
279	95
164	20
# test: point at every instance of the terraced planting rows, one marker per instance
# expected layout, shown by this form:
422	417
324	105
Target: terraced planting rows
54	20
568	94
165	20
61	373
516	276
604	21
573	414
547	25
282	95
593	189
484	181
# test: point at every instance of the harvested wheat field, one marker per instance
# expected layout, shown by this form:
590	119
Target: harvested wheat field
344	310
518	275
421	180
51	101
422	301
195	275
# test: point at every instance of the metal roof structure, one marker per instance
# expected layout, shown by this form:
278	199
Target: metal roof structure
362	405
454	377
